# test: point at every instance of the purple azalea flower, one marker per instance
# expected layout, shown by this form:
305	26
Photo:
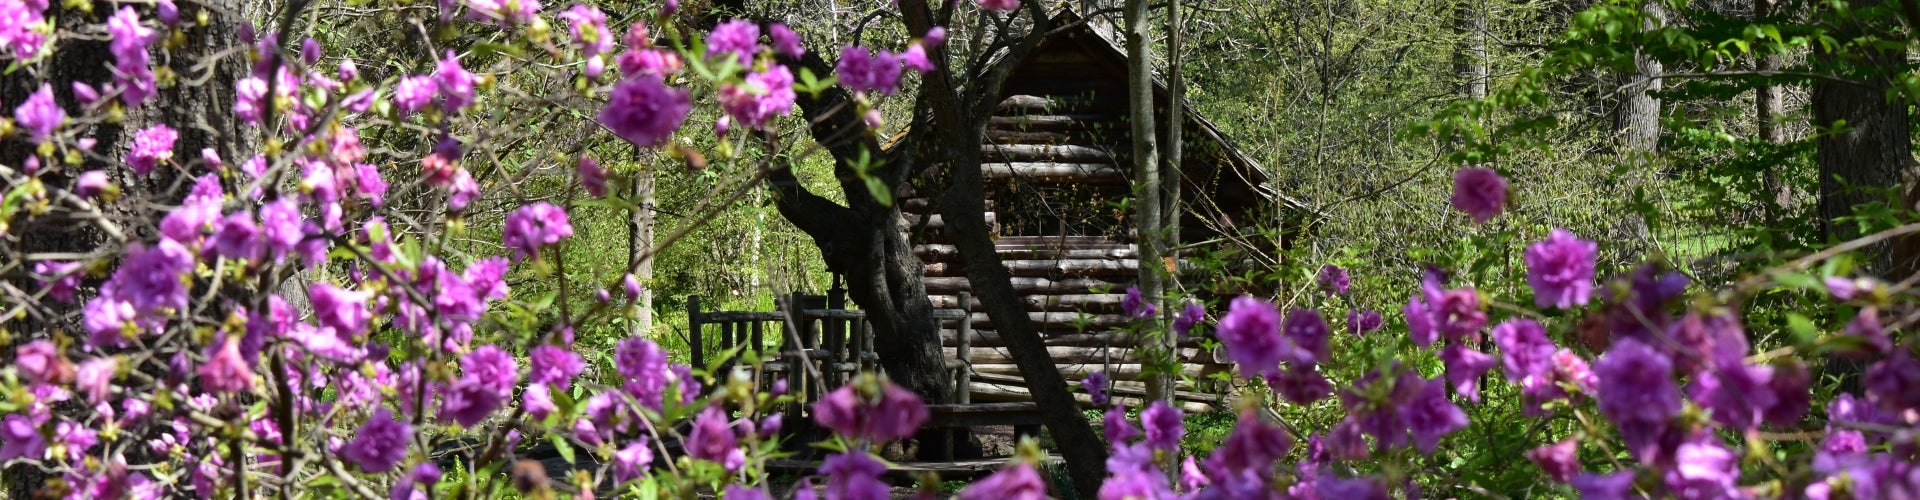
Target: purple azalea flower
1096	387
1464	368
20	438
455	82
16	34
1420	323
343	310
1115	426
1525	349
61	278
94	377
765	95
592	176
1736	394
413	93
1253	445
1359	322
1894	382
1560	460
739	37
645	111
632	461
1306	329
1163	425
713	439
1560	270
894	413
1615	486
854	476
1430	416
587	26
1189	316
1480	192
554	365
1299	383
1251	334
41	362
1870	334
864	70
380	445
534	226
128	42
1132	474
1136	306
643	367
1638	394
1703	469
1334	280
226	370
1016	482
786	41
151	146
39	115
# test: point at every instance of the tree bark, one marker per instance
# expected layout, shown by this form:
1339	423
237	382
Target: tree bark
1866	157
194	110
640	228
1638	121
956	143
1470	57
1146	165
1767	108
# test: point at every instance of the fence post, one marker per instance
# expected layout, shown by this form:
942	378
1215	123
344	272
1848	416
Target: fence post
694	340
963	351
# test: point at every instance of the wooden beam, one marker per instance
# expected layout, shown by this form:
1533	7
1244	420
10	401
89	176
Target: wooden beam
1088	355
991	153
1092	173
1083	121
1024	286
991	338
1057	320
939	252
1104	302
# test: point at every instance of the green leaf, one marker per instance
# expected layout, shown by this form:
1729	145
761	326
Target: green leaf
560	444
1799	280
1805	332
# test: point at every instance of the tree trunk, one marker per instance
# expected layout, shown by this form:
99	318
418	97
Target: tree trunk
1766	114
640	228
862	241
1867	156
956	146
1146	166
194	110
1638	121
1470	58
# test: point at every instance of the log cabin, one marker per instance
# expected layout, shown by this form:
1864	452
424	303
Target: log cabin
1056	161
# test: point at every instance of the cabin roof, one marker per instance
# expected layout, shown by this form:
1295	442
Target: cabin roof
1111	45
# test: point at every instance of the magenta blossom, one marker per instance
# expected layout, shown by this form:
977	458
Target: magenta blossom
1638	394
413	93
1000	5
1480	192
765	95
1016	482
1560	460
1096	386
864	70
1163	425
535	226
133	73
739	38
632	461
151	146
62	278
18	37
1560	270
1251	332
1189	316
713	439
226	370
455	83
39	114
343	310
891	412
380	445
554	365
592	176
645	111
1134	305
1334	280
786	41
